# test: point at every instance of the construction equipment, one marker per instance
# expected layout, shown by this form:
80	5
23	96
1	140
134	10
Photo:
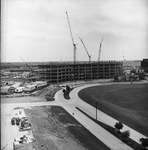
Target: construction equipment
33	75
24	125
24	143
74	45
100	50
31	70
89	56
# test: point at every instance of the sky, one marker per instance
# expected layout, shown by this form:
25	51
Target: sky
38	31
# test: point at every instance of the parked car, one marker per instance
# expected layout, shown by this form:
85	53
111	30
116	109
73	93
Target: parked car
11	90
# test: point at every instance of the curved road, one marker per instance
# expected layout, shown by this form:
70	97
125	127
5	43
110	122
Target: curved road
102	116
70	106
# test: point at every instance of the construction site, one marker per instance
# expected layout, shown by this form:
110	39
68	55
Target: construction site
56	72
61	72
38	114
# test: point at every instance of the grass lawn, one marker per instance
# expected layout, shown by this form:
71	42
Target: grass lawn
127	103
110	129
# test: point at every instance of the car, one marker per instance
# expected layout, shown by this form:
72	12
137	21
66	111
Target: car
13	121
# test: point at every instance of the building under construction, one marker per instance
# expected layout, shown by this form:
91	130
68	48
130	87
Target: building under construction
56	72
72	71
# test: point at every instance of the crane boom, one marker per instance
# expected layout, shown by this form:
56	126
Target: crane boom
69	27
27	65
74	45
100	50
85	49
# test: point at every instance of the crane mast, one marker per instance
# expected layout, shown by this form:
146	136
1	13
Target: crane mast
85	49
100	50
74	45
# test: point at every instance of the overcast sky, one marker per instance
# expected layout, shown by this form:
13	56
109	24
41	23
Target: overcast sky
37	30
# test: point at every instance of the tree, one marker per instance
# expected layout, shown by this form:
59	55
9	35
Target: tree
67	88
144	142
64	90
125	135
141	76
118	126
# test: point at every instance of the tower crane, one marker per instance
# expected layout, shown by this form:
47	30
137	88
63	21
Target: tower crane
74	45
89	56
100	50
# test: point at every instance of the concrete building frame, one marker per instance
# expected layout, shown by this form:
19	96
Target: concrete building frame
56	72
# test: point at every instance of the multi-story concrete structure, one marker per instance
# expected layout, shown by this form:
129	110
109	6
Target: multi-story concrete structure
67	71
144	65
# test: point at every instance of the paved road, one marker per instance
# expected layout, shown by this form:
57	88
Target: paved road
70	106
108	139
102	116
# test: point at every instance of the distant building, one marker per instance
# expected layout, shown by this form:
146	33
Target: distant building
68	71
144	65
131	64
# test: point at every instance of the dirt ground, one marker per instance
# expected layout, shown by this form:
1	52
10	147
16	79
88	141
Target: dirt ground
55	129
47	93
42	95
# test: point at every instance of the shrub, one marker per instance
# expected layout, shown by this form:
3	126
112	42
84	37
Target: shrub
125	135
64	90
144	142
67	88
118	126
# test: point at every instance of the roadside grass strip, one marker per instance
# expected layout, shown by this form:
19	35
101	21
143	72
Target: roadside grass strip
130	142
83	135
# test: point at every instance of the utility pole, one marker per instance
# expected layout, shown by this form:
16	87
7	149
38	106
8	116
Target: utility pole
96	109
85	49
100	50
74	45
